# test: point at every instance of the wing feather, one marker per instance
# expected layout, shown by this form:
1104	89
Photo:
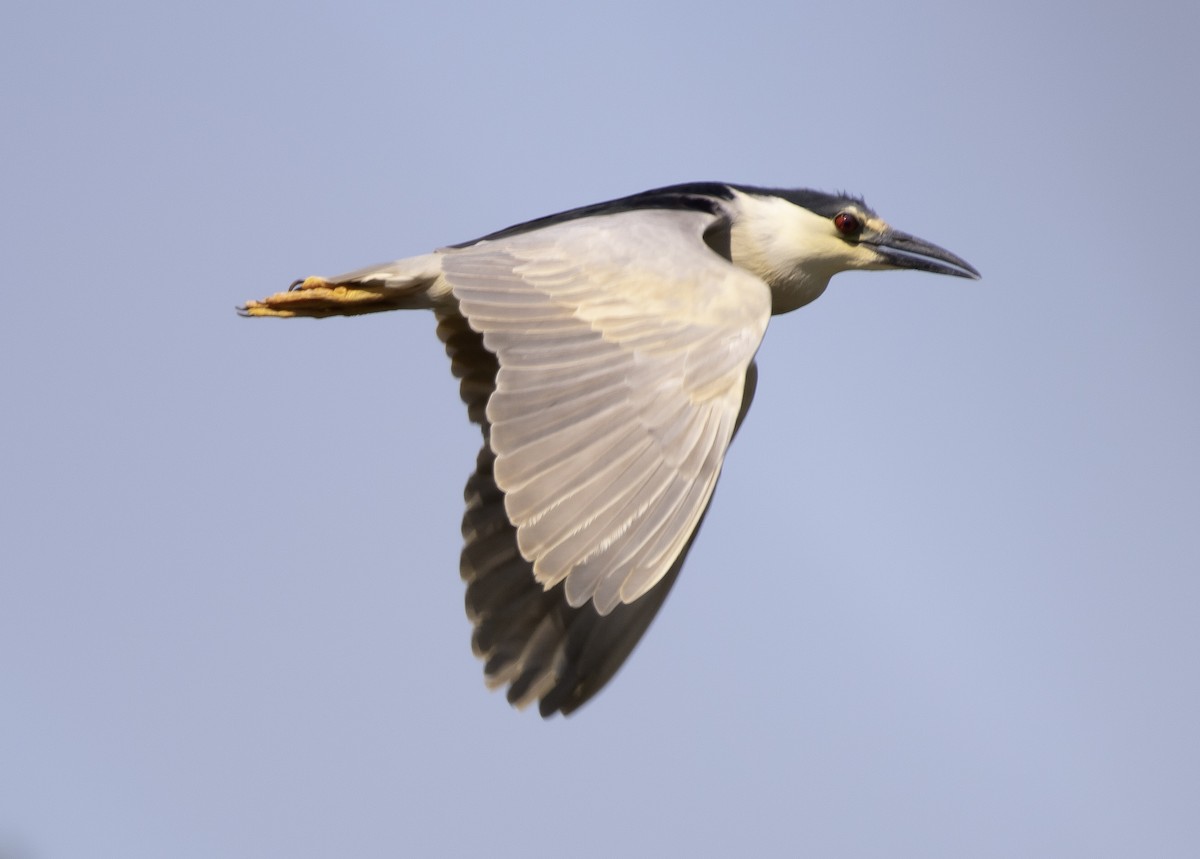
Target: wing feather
533	639
595	511
623	344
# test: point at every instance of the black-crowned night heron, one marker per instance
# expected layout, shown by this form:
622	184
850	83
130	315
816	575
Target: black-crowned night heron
607	353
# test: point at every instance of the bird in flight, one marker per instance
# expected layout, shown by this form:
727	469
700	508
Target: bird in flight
607	355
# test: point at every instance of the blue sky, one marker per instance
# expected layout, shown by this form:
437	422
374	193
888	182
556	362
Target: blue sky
947	600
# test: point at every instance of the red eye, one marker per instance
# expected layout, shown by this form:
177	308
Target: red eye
847	224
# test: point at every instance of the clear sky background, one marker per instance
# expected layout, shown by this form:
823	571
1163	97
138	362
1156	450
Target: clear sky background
947	600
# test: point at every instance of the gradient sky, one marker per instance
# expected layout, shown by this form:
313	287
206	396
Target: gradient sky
946	602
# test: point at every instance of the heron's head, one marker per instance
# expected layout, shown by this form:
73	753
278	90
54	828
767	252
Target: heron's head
796	240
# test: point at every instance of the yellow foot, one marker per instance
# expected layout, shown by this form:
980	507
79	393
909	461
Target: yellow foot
315	296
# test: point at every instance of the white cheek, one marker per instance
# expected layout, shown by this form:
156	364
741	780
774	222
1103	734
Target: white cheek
794	250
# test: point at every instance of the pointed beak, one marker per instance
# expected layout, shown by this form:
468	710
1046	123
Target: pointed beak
900	250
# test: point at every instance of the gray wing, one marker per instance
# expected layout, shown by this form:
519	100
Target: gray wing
532	638
622	345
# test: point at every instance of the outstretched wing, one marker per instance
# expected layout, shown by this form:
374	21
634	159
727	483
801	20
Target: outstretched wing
531	638
623	346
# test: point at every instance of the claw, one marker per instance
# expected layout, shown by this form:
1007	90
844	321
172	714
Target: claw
315	296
